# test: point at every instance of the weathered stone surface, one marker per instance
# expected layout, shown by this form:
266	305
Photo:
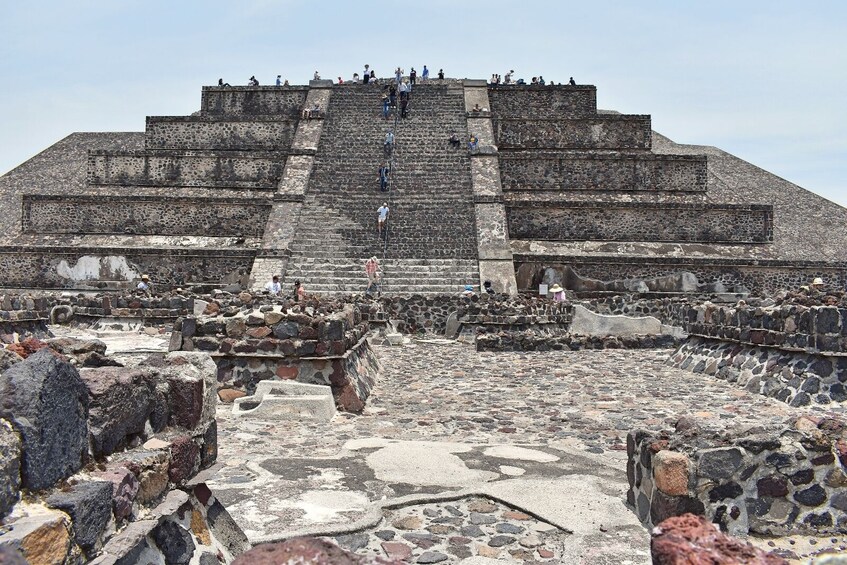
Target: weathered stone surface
125	488
719	463
42	536
228	395
185	401
201	367
89	505
47	402
693	539
175	542
10	467
307	550
8	358
670	472
11	556
121	403
185	458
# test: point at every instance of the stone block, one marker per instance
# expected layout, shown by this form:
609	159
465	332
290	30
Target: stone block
89	505
185	400
121	403
175	542
670	472
47	402
719	463
41	535
307	550
10	467
185	459
125	486
286	329
225	530
8	358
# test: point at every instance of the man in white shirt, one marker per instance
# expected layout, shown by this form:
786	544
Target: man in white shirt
274	287
382	216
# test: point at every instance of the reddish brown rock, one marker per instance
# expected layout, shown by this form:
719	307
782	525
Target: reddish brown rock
230	394
185	457
307	550
397	550
185	401
841	451
284	372
693	540
259	332
670	472
26	347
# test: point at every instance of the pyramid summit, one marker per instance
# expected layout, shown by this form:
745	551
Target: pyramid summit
536	186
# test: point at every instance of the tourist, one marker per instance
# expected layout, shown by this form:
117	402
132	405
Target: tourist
366	77
425	74
493	79
274	287
299	291
384	171
468	290
316	76
373	287
413	75
541	80
398	75
558	293
405	89
473	143
440	74
572	82
392	96
373	78
222	83
388	144
534	80
476	109
817	284
144	285
371	268
486	286
386	104
285	83
404	107
454	140
253	81
279	80
508	79
340	80
382	217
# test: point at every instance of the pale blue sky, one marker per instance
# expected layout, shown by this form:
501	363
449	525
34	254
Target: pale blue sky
765	80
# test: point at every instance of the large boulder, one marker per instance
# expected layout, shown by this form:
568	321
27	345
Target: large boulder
47	402
10	467
121	403
693	539
8	358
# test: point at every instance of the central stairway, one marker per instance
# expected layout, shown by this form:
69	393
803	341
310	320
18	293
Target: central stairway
431	246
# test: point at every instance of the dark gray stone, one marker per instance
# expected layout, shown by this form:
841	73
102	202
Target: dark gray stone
89	505
478	519
121	403
8	358
10	467
226	530
812	496
209	559
839	501
432	557
175	542
285	330
719	463
353	542
506	528
500	541
47	403
472	531
385	535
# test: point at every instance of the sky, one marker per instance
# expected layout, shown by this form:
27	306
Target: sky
764	80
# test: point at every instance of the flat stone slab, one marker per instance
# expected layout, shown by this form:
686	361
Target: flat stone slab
586	322
287	399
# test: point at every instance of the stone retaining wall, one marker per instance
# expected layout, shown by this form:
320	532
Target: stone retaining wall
548	102
91	267
284	101
598	132
791	326
580	221
603	171
798	379
321	343
142	215
770	482
534	341
96	450
759	277
206	132
195	169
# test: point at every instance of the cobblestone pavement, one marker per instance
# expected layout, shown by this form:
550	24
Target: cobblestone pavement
542	433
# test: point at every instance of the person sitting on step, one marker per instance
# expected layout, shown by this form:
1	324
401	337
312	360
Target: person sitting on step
454	140
274	287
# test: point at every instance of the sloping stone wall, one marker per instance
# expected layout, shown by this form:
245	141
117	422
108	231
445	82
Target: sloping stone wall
598	132
549	102
145	215
603	171
711	223
203	132
286	101
255	169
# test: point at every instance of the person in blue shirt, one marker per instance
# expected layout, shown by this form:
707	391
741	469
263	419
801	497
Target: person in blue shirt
425	74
